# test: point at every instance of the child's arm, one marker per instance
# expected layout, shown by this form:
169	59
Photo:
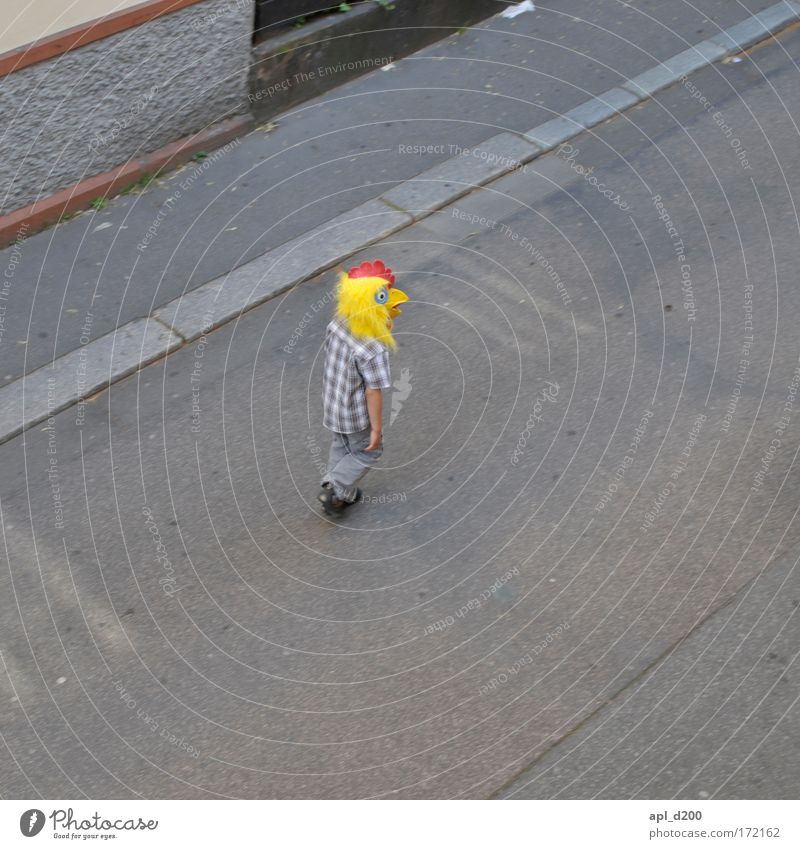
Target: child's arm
375	410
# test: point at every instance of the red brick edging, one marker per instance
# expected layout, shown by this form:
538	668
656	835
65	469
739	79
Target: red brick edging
49	210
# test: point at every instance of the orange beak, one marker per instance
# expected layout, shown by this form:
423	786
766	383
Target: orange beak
396	297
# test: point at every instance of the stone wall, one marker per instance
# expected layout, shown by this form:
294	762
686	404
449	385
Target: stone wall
87	111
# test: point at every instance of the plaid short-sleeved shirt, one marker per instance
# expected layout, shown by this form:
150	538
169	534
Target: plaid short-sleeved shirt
351	366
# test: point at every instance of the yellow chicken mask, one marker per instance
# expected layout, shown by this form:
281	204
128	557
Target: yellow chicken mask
368	303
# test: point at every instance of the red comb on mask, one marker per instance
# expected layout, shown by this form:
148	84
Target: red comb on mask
372	269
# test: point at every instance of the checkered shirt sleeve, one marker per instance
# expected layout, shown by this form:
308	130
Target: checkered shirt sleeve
375	370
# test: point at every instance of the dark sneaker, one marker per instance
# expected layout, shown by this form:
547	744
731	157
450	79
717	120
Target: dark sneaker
331	504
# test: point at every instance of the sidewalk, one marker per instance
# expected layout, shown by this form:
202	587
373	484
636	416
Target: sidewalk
126	260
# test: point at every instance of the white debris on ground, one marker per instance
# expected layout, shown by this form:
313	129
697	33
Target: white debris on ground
518	9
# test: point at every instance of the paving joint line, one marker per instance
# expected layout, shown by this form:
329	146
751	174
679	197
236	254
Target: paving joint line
638	678
155	317
219	301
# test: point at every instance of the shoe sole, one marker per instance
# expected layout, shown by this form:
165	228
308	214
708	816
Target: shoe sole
332	511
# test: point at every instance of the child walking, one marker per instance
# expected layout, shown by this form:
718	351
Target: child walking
356	372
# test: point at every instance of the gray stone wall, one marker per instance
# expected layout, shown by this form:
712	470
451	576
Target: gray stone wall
87	111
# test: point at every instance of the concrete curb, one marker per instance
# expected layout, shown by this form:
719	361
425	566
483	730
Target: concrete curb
78	375
582	117
454	177
219	301
671	70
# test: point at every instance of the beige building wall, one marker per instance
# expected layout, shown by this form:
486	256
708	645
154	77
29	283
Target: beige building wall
24	21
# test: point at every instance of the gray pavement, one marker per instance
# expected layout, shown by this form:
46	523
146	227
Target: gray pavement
716	718
580	494
330	155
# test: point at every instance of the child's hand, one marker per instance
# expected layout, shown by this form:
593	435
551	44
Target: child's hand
375	409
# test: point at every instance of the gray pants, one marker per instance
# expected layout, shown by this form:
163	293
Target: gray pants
349	461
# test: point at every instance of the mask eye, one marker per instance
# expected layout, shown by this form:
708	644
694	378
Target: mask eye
382	296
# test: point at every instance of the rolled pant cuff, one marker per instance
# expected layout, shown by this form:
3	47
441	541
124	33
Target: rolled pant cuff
345	494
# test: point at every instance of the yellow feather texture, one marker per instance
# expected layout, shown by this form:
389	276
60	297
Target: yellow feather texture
364	316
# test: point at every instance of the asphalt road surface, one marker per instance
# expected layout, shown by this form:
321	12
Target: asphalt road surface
329	155
575	573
